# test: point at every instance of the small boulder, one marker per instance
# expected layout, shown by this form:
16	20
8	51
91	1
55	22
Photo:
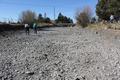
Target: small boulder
30	73
77	79
96	32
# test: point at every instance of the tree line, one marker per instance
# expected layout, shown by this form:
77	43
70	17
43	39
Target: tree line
30	17
104	9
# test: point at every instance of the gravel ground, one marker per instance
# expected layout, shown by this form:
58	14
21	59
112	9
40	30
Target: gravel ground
60	54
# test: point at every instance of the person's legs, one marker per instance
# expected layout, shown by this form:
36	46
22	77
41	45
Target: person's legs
26	31
36	30
110	20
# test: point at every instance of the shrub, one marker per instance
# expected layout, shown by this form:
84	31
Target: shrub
83	18
63	19
28	17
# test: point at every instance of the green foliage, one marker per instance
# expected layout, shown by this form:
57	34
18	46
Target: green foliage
93	20
31	17
63	19
47	20
41	19
105	8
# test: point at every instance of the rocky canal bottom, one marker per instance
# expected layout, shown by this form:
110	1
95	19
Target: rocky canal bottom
60	54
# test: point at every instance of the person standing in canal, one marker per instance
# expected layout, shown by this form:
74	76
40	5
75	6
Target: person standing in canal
27	29
111	18
35	28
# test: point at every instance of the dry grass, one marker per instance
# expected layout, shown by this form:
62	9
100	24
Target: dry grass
99	26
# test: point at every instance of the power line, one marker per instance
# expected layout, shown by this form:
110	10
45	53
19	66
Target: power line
54	13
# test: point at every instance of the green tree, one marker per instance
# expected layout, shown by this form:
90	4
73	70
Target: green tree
63	19
40	18
105	8
69	20
47	20
60	18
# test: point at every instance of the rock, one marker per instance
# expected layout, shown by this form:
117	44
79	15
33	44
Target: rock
83	77
96	32
77	79
30	73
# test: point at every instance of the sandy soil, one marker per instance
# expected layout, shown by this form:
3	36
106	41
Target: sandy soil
60	54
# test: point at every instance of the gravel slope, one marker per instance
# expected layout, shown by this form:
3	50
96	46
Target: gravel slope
60	54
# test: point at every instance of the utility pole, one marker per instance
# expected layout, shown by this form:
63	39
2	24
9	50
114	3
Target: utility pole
45	15
54	13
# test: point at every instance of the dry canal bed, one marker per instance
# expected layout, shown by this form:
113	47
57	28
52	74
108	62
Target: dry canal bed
60	54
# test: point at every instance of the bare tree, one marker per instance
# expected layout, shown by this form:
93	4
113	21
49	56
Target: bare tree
27	17
83	18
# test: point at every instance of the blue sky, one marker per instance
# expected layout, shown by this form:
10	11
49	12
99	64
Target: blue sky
11	9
